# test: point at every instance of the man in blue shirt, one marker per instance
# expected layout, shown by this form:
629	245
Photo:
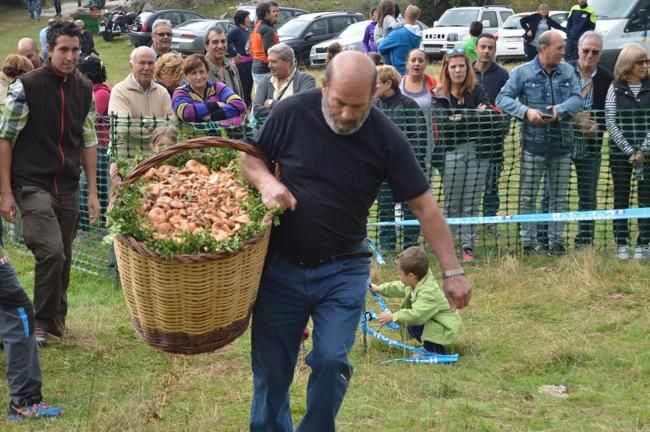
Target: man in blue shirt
401	41
544	94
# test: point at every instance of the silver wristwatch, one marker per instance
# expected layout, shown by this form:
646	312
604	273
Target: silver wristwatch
452	273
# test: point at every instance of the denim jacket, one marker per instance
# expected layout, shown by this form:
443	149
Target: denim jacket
530	86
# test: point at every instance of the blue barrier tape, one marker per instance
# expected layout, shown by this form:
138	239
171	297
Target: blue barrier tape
371	316
427	358
633	213
378	257
421	355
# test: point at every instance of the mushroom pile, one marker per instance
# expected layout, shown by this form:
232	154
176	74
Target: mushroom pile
194	198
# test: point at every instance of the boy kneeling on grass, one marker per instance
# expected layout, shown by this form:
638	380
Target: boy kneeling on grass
425	312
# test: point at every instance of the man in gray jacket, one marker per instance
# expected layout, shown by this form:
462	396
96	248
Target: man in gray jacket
544	94
285	80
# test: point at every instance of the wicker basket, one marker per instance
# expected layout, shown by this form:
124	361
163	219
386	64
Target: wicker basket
190	304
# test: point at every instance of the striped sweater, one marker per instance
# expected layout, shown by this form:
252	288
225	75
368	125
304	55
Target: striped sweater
190	106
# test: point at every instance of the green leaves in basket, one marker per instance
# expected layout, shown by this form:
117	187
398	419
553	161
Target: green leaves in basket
127	217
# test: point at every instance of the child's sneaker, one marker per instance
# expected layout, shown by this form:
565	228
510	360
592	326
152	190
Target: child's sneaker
33	411
468	255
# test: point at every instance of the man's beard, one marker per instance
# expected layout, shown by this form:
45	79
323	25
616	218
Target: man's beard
336	125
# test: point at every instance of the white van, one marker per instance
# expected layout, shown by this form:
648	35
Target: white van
453	27
620	23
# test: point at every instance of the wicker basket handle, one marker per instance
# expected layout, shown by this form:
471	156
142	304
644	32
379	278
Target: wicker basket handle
192	144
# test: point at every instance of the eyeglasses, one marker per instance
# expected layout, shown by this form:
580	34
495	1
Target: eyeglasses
642	62
163	34
456	51
586	51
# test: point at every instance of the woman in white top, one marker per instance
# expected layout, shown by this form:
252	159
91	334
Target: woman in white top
418	85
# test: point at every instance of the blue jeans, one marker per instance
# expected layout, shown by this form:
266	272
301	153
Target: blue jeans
24	377
333	294
555	170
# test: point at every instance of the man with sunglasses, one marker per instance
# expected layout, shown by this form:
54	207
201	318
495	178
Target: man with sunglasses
161	37
544	94
589	125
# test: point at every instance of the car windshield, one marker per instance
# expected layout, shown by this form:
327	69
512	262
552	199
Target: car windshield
608	9
355	30
293	28
457	18
512	23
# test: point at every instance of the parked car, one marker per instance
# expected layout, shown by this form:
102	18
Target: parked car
286	13
510	41
453	27
140	33
351	39
305	31
188	38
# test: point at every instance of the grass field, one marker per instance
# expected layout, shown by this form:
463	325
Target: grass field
581	321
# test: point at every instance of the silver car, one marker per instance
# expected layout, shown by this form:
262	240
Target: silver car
351	39
188	38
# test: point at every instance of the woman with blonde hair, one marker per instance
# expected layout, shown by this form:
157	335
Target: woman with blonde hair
14	66
459	101
407	116
169	71
534	26
627	107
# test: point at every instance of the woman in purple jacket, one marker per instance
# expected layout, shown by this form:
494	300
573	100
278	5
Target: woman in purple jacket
202	100
369	35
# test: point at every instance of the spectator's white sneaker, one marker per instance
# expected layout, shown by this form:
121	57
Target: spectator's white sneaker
640	253
623	252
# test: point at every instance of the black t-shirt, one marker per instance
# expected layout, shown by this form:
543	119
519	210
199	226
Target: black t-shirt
335	178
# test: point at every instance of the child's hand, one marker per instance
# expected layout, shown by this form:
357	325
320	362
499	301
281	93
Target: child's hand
385	318
374	288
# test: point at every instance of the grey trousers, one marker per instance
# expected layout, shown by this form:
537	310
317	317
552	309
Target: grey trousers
463	182
17	334
49	227
557	170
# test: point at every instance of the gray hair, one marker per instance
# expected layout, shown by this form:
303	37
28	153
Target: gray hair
137	51
283	51
160	22
214	29
545	39
591	35
29	41
80	23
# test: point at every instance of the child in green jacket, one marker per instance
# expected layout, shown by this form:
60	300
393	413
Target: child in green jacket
425	314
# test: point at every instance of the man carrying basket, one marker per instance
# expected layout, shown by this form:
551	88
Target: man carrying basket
334	151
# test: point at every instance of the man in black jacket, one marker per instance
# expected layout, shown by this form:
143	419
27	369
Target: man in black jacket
42	146
492	77
589	127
